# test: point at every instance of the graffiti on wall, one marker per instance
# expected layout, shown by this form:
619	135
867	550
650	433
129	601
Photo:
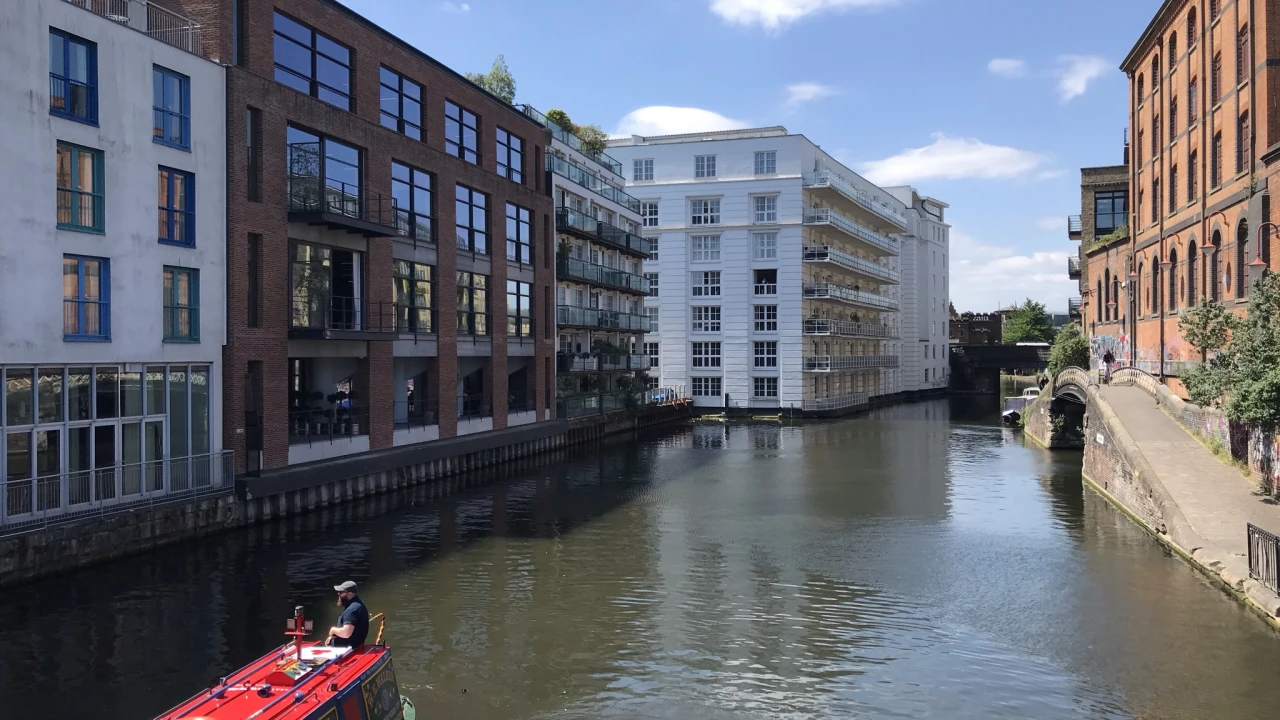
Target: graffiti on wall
1264	451
1117	344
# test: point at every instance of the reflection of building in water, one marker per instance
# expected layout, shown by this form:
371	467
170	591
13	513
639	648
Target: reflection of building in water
711	435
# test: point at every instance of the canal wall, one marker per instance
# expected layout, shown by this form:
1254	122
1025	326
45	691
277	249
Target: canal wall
1056	424
285	492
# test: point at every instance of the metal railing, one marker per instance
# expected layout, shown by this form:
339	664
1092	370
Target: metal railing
838	363
32	504
1073	267
415	413
586	179
1264	557
840	402
766	288
848	328
1073	307
821	291
164	25
826	253
73	98
827	216
573	141
471	407
593	318
827	178
322	311
569	220
575	269
309	426
1074	226
519	401
601	403
309	192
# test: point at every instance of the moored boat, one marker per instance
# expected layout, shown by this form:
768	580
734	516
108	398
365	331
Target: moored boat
303	680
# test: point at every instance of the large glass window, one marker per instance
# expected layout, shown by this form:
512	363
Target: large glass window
471	216
461	133
704	212
327	286
177	206
519	235
171	107
706	354
766	354
706	386
411	189
510	156
764	387
324	174
766	318
706	318
519	309
310	62
400	103
473	304
766	209
706	283
73	77
80	189
86	308
704	248
181	305
413	297
1111	210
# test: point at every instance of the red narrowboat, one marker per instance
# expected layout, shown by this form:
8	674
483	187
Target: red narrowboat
303	680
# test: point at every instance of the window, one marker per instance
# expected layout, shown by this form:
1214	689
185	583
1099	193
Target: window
1155	136
80	181
1138	147
309	62
706	284
764	246
400	103
706	386
1110	210
766	282
706	354
510	156
461	133
1193	100
1242	55
766	162
766	209
73	77
519	309
314	161
519	235
653	248
1156	199
1141	91
471	217
704	166
1215	79
1191	28
171	108
1171	50
253	153
1242	142
1173	188
653	283
1192	175
1173	120
1155	73
642	170
649	213
766	354
473	304
651	349
181	305
706	318
177	207
652	312
766	318
1215	161
705	248
411	190
705	212
413	297
764	387
86	298
253	301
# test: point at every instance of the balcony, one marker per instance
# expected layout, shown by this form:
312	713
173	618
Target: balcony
573	141
1073	307
150	19
317	200
871	240
849	329
827	291
874	272
322	316
1075	229
880	214
568	363
842	363
569	316
1073	268
586	179
593	274
839	402
328	425
586	227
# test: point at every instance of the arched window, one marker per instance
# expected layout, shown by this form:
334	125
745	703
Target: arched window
1156	290
1211	277
1171	49
1191	274
1097	300
1213	10
1136	291
1173	279
1242	246
1191	27
1106	283
1115	297
1141	89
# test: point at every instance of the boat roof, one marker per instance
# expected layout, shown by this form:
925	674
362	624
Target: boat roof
264	690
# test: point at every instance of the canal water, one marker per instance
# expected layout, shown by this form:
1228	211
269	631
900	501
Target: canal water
917	562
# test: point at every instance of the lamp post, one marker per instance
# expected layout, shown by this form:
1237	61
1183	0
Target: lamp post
1258	262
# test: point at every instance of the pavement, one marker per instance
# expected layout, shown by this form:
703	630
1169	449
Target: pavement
1216	499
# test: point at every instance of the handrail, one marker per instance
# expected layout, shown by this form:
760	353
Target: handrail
159	23
828	363
601	275
848	328
856	194
826	253
581	176
595	317
568	218
567	137
817	216
839	402
839	292
1264	557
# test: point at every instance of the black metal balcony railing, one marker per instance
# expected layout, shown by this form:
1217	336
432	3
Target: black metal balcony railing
586	179
571	363
73	98
1074	227
415	413
1264	557
325	200
601	403
471	407
572	221
1073	268
308	426
569	315
519	401
325	312
575	269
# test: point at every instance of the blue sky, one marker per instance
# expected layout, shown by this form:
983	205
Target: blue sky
989	105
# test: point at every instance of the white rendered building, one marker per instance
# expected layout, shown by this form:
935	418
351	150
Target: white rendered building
113	262
925	292
776	270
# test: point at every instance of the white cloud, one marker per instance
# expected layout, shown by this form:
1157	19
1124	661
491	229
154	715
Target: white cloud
776	14
666	120
1075	72
951	158
455	7
1050	174
1007	67
1051	223
985	277
803	92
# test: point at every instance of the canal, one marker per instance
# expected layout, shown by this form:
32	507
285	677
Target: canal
917	562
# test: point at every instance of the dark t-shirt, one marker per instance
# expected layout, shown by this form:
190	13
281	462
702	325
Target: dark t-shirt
355	614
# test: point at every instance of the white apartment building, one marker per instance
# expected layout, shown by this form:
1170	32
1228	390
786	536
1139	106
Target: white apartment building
600	291
925	292
775	270
113	259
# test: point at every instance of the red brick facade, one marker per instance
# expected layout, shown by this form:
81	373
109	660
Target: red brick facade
251	85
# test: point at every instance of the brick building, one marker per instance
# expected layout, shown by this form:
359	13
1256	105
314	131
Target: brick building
1103	232
1203	145
354	323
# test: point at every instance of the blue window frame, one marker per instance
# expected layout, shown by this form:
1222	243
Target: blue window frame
86	298
181	304
80	202
73	77
171	98
177	206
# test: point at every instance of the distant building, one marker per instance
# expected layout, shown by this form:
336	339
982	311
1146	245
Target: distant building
977	329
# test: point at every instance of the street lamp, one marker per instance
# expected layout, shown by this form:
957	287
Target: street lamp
1258	262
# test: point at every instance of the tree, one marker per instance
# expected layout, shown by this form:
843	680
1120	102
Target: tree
1028	322
594	139
560	118
1206	326
1244	376
1070	349
498	80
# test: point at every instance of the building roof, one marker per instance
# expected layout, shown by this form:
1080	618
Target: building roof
745	133
1168	8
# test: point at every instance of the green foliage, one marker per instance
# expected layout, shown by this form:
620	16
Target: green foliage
1070	349
594	139
497	81
1206	326
1118	234
560	118
1246	373
1028	322
1208	382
